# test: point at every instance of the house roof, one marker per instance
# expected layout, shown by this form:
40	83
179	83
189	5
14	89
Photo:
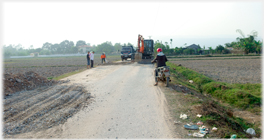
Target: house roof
193	46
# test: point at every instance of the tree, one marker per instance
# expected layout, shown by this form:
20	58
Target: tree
106	47
47	46
80	43
210	50
219	49
258	45
117	47
66	46
228	45
246	43
55	48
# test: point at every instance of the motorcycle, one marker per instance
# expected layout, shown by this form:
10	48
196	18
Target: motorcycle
163	74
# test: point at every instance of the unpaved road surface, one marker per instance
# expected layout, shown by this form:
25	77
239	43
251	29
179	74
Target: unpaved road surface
125	104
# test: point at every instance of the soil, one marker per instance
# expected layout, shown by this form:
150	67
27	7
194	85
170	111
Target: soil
27	81
244	70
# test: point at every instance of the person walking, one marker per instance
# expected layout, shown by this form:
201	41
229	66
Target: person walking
88	60
92	59
103	57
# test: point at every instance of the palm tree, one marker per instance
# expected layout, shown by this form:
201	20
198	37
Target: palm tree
211	50
247	44
171	42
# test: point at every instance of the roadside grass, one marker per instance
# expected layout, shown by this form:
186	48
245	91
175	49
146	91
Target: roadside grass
210	55
67	74
244	96
188	59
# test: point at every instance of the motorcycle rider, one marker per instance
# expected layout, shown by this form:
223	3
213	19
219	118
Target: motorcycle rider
161	60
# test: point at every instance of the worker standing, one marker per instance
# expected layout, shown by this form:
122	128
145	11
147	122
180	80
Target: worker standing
92	59
103	57
88	59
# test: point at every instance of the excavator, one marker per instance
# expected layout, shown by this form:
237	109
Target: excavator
145	49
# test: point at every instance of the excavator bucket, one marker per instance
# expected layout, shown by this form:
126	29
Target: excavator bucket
138	57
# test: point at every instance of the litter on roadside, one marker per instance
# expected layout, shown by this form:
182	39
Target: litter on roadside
203	130
234	136
191	81
200	123
198	135
177	122
214	129
183	116
191	127
198	115
251	131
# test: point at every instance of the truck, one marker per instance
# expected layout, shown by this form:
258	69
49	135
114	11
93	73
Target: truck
127	52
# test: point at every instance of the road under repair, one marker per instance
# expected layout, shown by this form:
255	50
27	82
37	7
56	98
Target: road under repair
123	104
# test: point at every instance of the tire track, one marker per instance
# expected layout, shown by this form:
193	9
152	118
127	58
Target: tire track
42	108
29	105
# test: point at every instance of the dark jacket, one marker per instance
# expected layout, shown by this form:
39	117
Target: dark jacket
88	56
161	59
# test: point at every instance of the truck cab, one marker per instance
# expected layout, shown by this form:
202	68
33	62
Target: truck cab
127	52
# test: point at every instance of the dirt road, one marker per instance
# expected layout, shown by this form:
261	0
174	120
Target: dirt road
125	105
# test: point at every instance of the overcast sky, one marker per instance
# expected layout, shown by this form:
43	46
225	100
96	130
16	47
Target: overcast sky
203	22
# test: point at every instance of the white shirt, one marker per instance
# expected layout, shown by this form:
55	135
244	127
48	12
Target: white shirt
92	56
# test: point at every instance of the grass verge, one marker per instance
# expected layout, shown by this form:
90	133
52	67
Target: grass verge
244	96
67	74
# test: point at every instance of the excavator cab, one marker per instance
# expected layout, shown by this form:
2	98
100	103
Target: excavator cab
145	49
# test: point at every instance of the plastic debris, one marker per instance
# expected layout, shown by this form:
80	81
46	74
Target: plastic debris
214	129
203	130
191	81
198	115
177	122
251	131
183	116
191	127
200	123
198	135
234	136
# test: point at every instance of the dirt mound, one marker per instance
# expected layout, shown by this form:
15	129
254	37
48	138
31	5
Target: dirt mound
27	81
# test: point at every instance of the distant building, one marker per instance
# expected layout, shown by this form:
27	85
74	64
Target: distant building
84	48
193	46
35	54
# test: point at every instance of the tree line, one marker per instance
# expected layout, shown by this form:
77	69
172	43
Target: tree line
243	44
65	47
